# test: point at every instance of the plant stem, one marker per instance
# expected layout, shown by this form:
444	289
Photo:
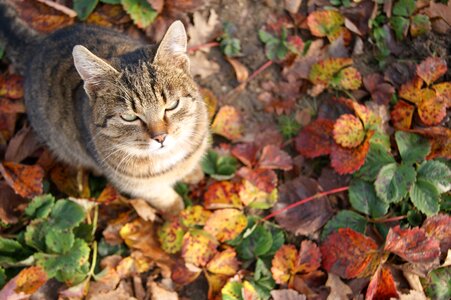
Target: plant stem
388	220
198	47
303	201
259	70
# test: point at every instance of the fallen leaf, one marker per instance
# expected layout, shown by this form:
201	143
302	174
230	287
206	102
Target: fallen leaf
241	72
215	284
22	145
431	69
228	123
382	285
180	274
24	179
437	227
211	100
222	194
440	138
348	161
160	292
246	153
199	247
283	264
315	139
10	204
263	179
402	114
11	86
381	91
348	131
226	224
253	197
224	263
412	245
27	282
203	29
307	218
338	289
287	294
323	71
170	236
273	157
432	109
194	216
350	254
325	23
70	181
202	66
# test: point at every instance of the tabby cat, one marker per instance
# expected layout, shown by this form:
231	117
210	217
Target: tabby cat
125	109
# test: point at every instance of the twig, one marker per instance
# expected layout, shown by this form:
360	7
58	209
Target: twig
303	201
198	47
66	10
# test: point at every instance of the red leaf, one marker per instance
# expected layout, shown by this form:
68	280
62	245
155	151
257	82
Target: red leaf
180	274
350	254
246	153
432	108
438	227
25	180
412	245
349	160
402	114
11	86
264	179
315	139
273	157
382	285
222	194
307	218
309	258
431	69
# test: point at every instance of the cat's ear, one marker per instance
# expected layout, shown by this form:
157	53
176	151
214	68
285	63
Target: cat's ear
172	48
92	69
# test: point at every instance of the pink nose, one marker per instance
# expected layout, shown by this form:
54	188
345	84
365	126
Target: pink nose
160	138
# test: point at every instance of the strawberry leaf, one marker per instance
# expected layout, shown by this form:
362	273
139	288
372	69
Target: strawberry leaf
401	115
437	173
382	285
140	11
412	147
198	247
363	198
431	69
420	25
222	194
226	224
348	161
425	197
345	219
348	131
377	158
315	139
393	182
404	8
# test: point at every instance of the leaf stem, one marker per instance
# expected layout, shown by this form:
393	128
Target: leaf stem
259	70
388	220
303	201
206	45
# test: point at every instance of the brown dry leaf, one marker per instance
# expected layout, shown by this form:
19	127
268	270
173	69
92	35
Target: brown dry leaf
200	65
10	204
307	218
292	5
203	30
338	289
241	72
159	292
144	210
287	294
24	179
22	145
124	291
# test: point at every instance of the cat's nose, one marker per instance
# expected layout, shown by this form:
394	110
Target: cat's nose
160	138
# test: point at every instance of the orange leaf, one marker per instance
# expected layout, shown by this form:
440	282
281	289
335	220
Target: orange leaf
410	90
25	180
412	245
11	86
228	123
215	284
315	139
350	254
68	181
349	79
432	109
283	264
29	280
222	194
263	179
198	247
382	285
347	161
226	224
273	157
241	72
108	195
444	90
431	69
348	131
252	196
211	100
309	258
401	115
181	275
323	71
440	138
324	22
224	263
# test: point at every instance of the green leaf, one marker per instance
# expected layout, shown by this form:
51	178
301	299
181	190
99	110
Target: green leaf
414	217
258	243
363	198
412	147
376	158
40	206
425	197
345	219
111	1
58	241
264	36
439	284
35	234
2	50
84	8
8	246
66	214
400	26
278	239
263	281
140	11
404	8
84	232
219	167
70	262
420	25
437	173
3	277
393	182
232	291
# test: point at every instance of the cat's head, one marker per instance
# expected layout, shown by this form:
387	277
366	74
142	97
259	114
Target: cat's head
148	108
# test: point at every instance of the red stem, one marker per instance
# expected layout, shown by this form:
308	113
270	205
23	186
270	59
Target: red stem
259	70
207	45
303	201
393	219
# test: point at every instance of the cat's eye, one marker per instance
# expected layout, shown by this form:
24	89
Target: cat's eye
173	105
129	117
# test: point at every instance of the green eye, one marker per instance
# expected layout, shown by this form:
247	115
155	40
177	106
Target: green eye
173	105
129	117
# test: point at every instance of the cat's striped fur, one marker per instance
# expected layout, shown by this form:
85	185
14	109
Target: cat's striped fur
82	103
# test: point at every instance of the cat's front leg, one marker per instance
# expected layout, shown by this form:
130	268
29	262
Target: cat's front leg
165	200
